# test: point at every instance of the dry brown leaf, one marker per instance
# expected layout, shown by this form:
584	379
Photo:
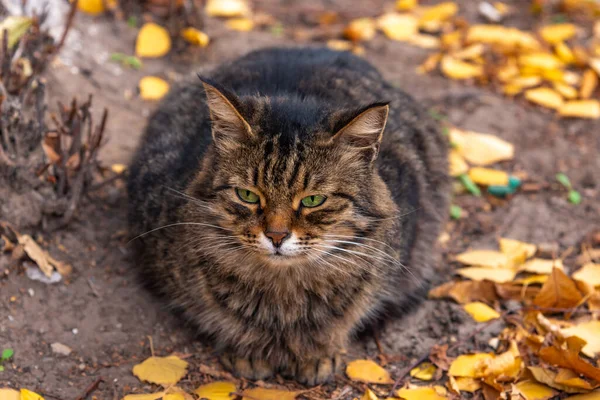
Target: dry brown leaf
514	291
569	378
587	396
569	358
548	377
558	292
44	261
466	291
361	29
589	83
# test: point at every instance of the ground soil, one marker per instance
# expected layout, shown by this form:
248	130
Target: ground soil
103	315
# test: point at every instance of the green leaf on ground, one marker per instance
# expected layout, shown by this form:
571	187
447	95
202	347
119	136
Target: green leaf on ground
574	197
7	354
455	211
563	180
469	185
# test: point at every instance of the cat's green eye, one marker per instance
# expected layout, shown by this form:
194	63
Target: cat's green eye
313	201
247	196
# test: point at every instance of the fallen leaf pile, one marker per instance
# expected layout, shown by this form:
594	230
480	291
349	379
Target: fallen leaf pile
556	66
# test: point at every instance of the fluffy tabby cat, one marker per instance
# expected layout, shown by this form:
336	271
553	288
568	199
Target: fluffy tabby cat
285	201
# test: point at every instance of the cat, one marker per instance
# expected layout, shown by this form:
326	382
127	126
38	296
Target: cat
285	201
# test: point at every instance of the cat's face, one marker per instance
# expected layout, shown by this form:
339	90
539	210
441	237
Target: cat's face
292	191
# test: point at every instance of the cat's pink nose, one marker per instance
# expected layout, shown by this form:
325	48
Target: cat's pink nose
277	237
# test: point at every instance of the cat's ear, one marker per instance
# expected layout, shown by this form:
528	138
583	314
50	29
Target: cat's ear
229	128
363	129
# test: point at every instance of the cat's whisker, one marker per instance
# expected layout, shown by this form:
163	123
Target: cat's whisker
391	218
359	238
335	267
358	244
178	224
185	196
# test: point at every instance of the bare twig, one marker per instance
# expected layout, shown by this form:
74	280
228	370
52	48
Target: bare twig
68	26
406	371
93	386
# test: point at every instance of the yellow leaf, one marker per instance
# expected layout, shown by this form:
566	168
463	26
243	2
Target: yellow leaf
340	45
549	378
152	41
534	391
484	258
118	168
424	371
367	371
571	78
9	394
360	29
540	60
589	273
566	91
595	65
545	97
153	88
465	384
422	393
93	7
588	331
587	396
424	41
509	38
405	5
269	394
589	82
470	52
516	250
557	33
439	12
541	266
457	163
29	395
481	312
516	85
564	53
505	365
174	396
226	8
398	26
452	40
16	27
508	71
161	370
150	396
468	365
488	177
217	391
457	69
481	148
581	109
369	395
531	280
196	37
571	380
430	63
240	24
498	275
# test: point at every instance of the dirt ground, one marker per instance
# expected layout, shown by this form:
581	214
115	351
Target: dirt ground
103	315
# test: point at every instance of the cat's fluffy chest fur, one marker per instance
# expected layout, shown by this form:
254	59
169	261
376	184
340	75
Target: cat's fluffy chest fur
296	206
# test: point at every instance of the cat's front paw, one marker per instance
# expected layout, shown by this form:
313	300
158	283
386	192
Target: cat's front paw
318	370
247	368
